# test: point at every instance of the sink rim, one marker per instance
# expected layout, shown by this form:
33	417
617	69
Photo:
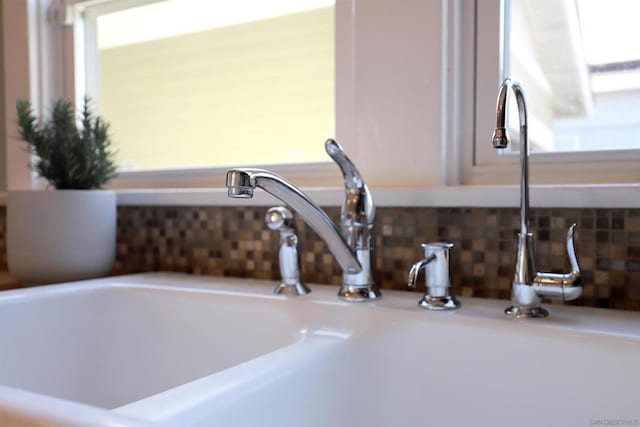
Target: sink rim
567	318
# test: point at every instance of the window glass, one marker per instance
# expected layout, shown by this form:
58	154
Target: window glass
579	64
197	83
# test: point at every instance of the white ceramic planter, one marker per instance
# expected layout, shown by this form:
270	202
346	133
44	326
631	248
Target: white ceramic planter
61	235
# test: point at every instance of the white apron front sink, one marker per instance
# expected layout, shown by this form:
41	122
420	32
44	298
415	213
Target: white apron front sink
177	350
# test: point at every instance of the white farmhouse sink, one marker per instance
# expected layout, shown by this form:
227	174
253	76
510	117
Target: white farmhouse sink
107	343
108	346
168	349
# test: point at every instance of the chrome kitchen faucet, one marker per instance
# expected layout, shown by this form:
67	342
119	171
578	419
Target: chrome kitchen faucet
528	286
352	244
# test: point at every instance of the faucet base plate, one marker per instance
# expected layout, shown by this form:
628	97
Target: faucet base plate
358	293
296	289
525	312
439	303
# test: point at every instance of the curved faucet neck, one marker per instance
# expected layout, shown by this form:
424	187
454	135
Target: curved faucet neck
501	123
241	182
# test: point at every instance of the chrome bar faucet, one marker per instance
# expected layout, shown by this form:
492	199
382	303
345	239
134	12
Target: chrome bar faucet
280	219
528	286
352	244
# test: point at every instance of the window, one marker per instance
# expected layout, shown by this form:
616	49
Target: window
580	68
202	83
387	115
410	85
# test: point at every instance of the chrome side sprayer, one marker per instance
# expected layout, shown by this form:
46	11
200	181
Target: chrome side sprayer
280	219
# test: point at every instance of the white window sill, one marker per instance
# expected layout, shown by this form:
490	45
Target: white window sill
568	196
543	196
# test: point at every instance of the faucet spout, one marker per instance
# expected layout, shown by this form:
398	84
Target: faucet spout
241	183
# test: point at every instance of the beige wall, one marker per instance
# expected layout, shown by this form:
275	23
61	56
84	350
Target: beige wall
15	81
3	136
253	93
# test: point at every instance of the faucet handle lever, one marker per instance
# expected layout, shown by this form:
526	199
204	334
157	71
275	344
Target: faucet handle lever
352	178
574	274
565	286
358	208
571	250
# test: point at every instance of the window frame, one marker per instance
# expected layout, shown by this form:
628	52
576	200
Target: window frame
86	67
365	125
483	164
469	81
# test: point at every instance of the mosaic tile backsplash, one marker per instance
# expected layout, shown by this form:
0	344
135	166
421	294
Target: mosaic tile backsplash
234	241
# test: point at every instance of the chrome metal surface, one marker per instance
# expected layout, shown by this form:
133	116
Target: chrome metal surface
436	266
430	302
357	222
352	244
280	219
522	313
305	207
528	286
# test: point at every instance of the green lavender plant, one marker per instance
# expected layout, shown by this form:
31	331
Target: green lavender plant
68	156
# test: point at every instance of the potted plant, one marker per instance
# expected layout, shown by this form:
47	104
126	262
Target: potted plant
70	233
